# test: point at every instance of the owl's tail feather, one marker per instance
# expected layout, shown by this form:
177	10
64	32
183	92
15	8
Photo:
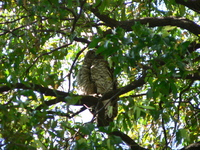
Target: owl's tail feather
104	119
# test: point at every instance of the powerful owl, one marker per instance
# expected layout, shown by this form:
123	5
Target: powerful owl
96	77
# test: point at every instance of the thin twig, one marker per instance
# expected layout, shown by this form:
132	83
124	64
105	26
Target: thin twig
179	104
72	66
47	53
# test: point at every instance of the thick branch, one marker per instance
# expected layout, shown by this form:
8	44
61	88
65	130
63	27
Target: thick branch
163	21
193	47
194	146
87	100
150	21
60	96
192	4
133	145
105	18
82	40
133	85
44	90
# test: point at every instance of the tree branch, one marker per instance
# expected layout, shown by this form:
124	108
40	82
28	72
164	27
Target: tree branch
193	46
192	4
44	90
72	66
82	40
105	18
47	53
133	145
183	23
87	100
133	85
194	146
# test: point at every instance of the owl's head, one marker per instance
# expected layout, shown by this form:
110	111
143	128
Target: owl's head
90	54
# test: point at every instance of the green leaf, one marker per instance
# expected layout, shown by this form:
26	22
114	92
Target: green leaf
182	134
147	107
94	43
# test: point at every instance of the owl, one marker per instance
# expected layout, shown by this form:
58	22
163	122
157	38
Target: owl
96	77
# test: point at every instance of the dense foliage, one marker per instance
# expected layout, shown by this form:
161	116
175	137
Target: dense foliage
152	46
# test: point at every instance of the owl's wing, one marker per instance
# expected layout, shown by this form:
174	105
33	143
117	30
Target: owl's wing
101	76
84	81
